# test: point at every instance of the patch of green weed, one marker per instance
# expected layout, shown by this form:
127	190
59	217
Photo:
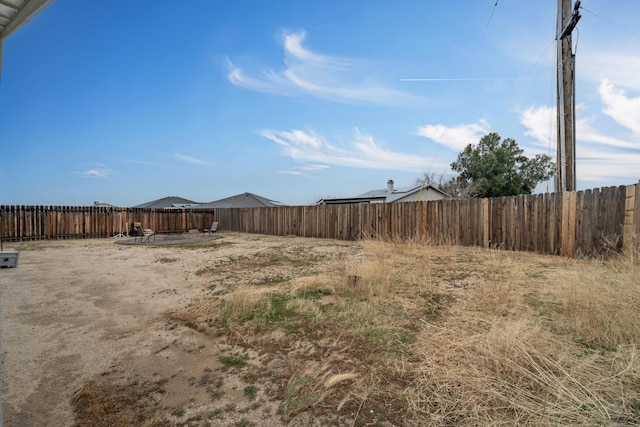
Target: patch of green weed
251	391
314	293
190	324
279	308
214	394
231	361
215	413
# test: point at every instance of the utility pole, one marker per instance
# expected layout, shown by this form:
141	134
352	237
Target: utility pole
566	152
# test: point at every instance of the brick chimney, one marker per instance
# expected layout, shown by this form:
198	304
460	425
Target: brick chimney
390	186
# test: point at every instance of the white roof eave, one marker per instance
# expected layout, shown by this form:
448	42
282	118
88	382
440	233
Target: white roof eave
16	13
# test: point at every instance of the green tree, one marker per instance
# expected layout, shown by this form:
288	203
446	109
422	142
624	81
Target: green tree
497	167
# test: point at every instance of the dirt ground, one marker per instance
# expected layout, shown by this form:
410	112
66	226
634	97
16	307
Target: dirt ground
88	320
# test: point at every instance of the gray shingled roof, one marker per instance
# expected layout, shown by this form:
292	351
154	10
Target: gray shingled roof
168	202
244	200
397	193
382	195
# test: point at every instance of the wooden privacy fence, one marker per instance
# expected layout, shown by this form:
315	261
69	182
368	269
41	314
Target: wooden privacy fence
570	224
78	222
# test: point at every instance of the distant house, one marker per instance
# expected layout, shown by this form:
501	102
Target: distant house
244	200
103	205
391	195
169	202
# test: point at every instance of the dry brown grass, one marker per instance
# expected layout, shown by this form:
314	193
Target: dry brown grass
513	349
600	302
117	405
442	335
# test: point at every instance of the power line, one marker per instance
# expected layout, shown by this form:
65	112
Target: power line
610	22
491	16
533	67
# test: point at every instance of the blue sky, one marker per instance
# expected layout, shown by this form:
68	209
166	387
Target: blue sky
124	102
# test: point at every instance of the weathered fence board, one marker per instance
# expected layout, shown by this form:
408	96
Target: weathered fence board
570	224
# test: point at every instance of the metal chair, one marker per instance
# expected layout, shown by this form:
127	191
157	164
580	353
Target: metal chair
144	234
213	229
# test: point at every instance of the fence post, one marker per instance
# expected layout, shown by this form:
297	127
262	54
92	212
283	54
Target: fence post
631	215
568	234
485	222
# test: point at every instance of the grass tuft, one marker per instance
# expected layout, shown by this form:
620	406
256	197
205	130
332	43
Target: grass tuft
335	379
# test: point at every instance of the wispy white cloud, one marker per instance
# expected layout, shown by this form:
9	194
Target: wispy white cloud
587	133
189	159
540	123
363	151
99	171
619	65
597	165
622	109
238	78
600	158
312	168
293	172
456	137
304	170
312	74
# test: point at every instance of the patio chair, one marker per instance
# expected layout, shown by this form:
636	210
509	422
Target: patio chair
143	234
213	229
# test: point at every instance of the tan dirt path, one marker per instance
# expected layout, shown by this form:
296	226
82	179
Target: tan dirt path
69	310
72	309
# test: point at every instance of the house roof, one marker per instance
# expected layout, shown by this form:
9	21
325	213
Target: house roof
384	195
15	13
357	199
394	195
169	202
103	205
244	200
